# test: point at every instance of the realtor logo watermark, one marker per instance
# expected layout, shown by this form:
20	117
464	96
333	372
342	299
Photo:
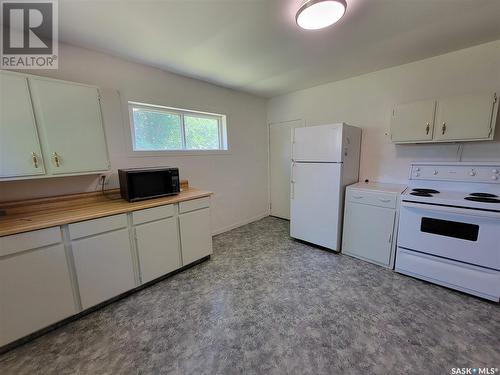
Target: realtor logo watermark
29	34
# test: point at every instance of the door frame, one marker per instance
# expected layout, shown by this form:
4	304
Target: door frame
269	157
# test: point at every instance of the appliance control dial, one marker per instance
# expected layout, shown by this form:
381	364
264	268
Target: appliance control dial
435	172
494	171
472	173
494	177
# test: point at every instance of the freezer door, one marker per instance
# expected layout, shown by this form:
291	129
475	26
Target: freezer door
315	203
318	143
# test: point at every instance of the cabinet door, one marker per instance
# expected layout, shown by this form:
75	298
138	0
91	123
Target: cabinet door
103	266
368	232
413	122
466	117
158	248
20	153
69	118
196	237
35	292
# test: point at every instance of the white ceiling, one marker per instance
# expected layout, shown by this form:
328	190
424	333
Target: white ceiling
255	45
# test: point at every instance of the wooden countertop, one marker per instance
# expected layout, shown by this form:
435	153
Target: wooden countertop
25	216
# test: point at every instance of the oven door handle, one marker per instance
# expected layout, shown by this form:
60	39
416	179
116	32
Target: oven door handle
452	210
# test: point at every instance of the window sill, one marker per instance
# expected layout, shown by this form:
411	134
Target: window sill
142	154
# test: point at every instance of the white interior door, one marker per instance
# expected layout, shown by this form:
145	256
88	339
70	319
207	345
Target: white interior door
280	156
20	153
315	203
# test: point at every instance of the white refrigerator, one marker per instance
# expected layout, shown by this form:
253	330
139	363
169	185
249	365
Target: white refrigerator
325	159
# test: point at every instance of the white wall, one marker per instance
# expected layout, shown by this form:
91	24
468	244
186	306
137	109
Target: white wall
238	179
367	101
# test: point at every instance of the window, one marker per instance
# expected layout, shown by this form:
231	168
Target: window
157	128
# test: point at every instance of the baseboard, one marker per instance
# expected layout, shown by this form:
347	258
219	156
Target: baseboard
240	224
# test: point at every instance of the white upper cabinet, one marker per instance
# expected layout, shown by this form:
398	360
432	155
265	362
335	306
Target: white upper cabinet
454	119
465	117
70	124
413	122
20	153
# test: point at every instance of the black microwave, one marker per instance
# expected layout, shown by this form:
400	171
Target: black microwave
144	183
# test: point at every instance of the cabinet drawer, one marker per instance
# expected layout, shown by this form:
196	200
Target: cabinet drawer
152	214
92	227
375	199
194	204
29	240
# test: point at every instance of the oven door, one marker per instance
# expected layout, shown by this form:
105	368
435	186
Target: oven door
466	235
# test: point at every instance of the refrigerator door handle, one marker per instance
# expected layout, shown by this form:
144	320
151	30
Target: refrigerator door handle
292	182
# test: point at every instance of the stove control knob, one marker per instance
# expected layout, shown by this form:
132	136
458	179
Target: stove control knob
472	173
494	171
435	172
417	169
494	177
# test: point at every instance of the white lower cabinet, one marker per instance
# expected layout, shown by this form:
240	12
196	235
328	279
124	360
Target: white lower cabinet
44	279
158	248
103	262
196	236
368	232
35	284
370	222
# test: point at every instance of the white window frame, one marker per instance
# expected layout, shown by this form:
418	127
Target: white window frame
222	126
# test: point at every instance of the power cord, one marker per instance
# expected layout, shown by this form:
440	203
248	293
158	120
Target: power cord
102	182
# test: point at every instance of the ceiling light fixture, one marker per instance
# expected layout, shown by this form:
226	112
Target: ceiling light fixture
317	14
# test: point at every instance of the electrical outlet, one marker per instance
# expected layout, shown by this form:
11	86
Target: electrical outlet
105	177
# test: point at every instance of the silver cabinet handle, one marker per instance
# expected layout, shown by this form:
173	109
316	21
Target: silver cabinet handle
390	238
357	196
443	128
427	128
384	200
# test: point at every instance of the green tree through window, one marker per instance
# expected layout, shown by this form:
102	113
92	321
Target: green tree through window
158	129
201	133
